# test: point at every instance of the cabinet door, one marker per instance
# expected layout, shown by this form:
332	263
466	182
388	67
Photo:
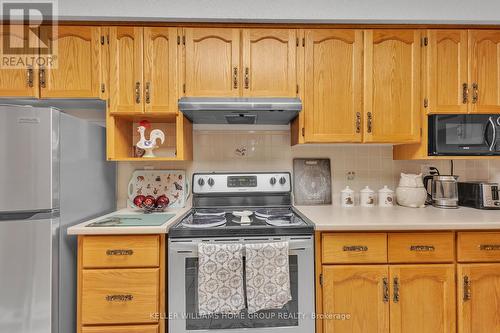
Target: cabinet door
446	71
76	72
392	86
17	81
125	72
479	298
359	291
484	48
212	62
423	299
269	62
333	85
160	69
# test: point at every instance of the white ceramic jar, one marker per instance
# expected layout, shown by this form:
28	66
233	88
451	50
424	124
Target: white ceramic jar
347	197
385	197
367	197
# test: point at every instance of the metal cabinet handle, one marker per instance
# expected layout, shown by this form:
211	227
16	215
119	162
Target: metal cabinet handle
465	93
43	84
29	76
467	292
475	95
358	122
369	122
119	252
355	248
147	93
247	77
385	290
395	298
489	247
422	248
235	77
119	298
137	92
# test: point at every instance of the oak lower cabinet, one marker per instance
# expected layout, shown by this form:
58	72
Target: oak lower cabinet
479	298
121	284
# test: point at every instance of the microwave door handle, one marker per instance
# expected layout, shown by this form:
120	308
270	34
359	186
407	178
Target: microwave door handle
491	145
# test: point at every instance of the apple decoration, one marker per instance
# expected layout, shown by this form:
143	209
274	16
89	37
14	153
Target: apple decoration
149	202
162	201
138	200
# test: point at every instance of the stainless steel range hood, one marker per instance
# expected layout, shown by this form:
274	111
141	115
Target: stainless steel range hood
215	110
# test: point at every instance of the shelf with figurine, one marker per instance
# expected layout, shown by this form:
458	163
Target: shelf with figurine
143	138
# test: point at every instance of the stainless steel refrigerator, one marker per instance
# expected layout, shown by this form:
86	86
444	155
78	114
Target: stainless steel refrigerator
53	174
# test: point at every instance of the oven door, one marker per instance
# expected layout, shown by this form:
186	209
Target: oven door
295	317
458	134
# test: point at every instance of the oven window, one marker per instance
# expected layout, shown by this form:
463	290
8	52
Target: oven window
464	134
288	316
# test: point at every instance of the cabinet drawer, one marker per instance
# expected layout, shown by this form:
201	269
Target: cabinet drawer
121	329
354	248
479	246
121	251
119	296
420	247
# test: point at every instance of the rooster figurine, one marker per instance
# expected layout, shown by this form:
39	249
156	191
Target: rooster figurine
149	145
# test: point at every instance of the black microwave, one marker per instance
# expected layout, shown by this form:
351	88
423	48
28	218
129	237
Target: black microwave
464	134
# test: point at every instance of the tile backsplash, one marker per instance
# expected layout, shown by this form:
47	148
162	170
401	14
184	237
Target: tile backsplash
372	165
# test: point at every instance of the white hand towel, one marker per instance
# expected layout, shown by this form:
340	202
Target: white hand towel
267	276
220	279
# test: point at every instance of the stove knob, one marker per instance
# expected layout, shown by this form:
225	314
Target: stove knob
497	203
201	182
211	182
282	180
272	180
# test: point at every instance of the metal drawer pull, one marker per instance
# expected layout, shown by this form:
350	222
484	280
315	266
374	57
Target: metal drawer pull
42	77
29	76
355	248
235	77
247	77
358	122
385	292
119	298
489	247
137	92
120	252
466	288
475	95
148	93
396	290
465	93
370	122
422	248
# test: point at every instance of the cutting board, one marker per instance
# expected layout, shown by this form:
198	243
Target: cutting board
312	181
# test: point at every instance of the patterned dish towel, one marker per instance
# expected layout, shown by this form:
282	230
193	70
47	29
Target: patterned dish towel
220	278
267	276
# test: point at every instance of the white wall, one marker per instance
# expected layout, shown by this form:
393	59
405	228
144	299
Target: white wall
336	11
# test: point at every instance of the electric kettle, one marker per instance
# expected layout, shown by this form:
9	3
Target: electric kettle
443	191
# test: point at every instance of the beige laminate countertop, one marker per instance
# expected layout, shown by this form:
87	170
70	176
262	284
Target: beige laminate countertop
82	229
399	218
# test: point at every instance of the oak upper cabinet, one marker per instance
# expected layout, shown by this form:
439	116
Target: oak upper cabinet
17	81
126	70
212	62
160	69
392	99
269	62
76	72
360	291
422	298
333	85
484	48
446	78
479	298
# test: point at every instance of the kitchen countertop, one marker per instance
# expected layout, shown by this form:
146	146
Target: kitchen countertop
81	229
336	218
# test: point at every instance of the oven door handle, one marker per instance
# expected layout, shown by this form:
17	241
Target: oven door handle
491	145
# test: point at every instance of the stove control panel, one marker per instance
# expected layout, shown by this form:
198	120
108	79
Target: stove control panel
241	182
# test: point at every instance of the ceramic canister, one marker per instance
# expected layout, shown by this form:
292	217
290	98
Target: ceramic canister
367	196
347	196
385	197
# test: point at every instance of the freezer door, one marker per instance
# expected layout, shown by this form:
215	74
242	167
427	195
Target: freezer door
26	276
29	141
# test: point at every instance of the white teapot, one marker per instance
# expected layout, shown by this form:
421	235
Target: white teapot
411	191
